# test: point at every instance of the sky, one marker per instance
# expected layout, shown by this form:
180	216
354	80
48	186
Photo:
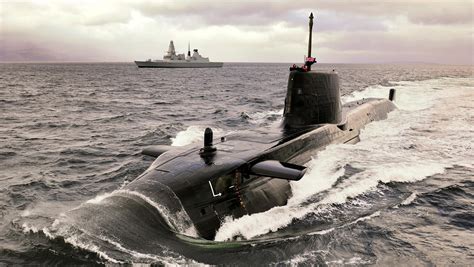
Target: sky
358	31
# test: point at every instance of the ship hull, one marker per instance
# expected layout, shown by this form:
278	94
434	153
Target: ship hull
165	64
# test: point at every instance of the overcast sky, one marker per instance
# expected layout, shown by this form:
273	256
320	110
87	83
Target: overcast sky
238	31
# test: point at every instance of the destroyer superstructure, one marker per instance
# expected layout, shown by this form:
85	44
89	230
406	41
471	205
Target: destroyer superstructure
173	60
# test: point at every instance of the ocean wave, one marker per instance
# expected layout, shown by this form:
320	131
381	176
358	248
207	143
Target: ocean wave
192	134
381	156
55	110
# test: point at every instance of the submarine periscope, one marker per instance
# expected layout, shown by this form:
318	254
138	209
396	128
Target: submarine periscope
249	172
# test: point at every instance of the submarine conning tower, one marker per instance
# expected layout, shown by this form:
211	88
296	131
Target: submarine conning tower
313	97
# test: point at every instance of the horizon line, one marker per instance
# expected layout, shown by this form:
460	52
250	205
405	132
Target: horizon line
240	62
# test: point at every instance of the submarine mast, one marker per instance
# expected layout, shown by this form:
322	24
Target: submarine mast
313	97
310	36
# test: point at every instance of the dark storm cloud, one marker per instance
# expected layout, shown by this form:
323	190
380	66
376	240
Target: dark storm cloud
418	11
264	12
237	30
26	52
256	15
214	12
455	14
21	47
107	18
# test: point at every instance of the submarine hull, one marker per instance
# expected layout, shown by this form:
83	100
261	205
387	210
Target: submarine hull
249	172
212	189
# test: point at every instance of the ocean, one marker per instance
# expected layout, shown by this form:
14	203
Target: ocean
72	133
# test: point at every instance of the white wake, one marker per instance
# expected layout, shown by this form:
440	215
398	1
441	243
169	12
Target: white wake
432	130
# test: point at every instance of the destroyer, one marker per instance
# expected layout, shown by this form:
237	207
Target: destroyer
249	172
173	60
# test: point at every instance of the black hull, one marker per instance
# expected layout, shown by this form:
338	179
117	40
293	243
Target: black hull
177	65
198	191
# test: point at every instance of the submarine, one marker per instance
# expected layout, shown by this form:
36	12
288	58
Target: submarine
250	171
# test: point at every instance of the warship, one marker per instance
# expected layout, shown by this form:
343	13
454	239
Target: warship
250	172
173	60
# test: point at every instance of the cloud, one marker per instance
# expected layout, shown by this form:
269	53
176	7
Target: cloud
20	47
104	18
254	12
26	51
274	31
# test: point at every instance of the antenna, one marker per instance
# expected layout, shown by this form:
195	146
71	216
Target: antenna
308	61
310	36
310	33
